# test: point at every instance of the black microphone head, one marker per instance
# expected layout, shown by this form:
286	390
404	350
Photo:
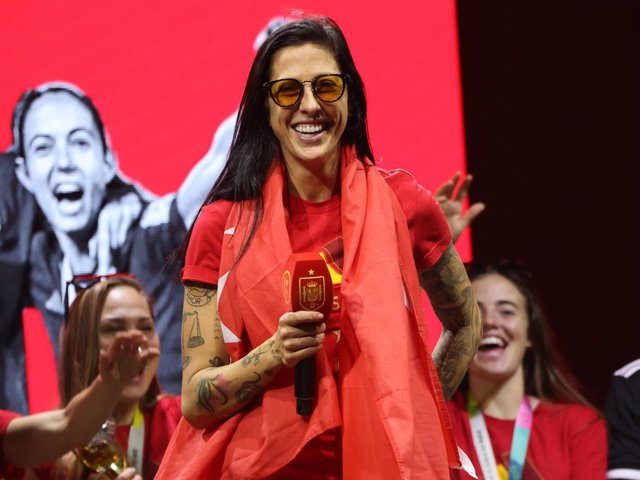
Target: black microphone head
304	406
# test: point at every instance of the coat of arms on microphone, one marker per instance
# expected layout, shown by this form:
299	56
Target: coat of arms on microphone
312	292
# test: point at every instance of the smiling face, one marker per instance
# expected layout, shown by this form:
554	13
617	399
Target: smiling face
127	309
505	324
65	165
309	132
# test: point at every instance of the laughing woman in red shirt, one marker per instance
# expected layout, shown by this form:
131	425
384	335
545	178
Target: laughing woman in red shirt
516	412
300	178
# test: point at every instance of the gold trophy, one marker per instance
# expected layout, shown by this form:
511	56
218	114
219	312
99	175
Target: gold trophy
103	454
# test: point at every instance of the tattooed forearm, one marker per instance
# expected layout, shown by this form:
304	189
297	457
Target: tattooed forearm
447	285
451	357
253	358
449	290
198	296
249	389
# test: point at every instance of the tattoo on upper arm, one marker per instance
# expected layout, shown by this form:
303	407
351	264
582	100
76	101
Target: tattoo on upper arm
198	296
186	360
195	338
449	290
217	328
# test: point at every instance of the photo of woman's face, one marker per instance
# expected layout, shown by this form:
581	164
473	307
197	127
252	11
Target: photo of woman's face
65	163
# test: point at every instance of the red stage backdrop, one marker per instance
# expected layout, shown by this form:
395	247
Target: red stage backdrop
165	74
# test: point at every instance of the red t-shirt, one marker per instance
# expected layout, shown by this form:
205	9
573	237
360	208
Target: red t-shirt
160	422
567	441
316	226
6	470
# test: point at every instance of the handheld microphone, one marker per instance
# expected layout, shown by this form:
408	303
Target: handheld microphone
307	285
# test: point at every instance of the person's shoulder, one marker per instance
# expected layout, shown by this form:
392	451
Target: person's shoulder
574	415
213	216
397	176
403	184
631	371
216	209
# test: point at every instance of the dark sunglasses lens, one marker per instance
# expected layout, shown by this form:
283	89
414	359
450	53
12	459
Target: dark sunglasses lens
286	92
329	88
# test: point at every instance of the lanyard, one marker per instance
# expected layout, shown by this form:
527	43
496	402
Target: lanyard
482	442
136	441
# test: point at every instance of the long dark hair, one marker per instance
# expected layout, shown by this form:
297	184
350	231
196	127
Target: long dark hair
254	143
545	373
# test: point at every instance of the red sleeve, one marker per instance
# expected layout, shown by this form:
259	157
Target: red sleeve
588	447
428	227
5	419
202	261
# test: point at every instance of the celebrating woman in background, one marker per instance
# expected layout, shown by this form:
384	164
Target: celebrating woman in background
32	440
145	418
516	412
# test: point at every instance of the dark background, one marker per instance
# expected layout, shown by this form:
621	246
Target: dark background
550	95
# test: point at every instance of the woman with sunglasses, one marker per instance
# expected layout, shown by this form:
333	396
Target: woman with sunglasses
300	178
32	440
145	418
516	413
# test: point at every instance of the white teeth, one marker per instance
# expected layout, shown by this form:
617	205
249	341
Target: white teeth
492	342
308	128
67	188
68	192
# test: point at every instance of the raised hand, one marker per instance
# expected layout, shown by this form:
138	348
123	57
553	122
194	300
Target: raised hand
127	355
450	195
